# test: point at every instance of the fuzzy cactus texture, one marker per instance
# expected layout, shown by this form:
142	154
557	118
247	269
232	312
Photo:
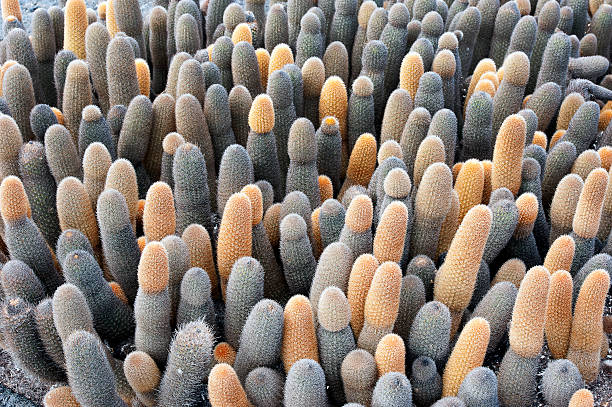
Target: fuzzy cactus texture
307	203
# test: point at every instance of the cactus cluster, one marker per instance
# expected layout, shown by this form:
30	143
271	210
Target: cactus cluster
335	203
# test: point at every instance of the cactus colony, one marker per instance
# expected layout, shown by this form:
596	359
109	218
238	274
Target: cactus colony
340	203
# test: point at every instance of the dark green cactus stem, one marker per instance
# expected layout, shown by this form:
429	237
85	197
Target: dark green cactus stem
10	146
488	12
469	22
121	72
412	299
336	61
214	17
245	288
335	338
479	388
222	57
359	375
186	34
361	110
329	151
585	248
129	20
19	94
305	385
555	60
235	171
517	379
496	307
582	129
89	372
344	23
561	379
417	125
19	48
18	280
453	9
375	59
152	306
44	48
426	381
509	96
548	18
505	21
430	333
429	94
331	221
97	39
218	119
261	339
559	163
377	22
309	41
169	35
477	128
258	8
267	193
297	82
62	60
77	95
163	124
544	102
264	387
25	242
196	301
24	344
601	27
158	48
295	12
179	263
280	90
376	189
599	261
296	254
444	125
40	188
70	311
57	17
95	128
191	8
119	244
523	36
4	107
69	241
115	117
424	48
173	72
262	149
531	182
395	37
191	195
240	101
424	268
432	26
41	118
580	9
191	124
112	318
277	28
392	390
48	333
302	170
333	269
